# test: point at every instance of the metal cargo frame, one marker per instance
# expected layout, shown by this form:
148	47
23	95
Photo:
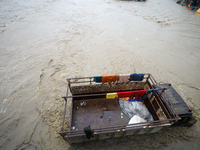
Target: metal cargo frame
78	136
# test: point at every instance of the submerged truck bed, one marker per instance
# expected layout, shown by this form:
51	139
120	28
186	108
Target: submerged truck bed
104	127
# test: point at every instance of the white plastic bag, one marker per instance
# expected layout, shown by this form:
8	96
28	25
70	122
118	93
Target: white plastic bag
135	108
136	119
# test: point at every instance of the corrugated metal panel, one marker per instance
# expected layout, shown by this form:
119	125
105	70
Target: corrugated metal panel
118	134
105	136
144	131
156	129
131	132
77	139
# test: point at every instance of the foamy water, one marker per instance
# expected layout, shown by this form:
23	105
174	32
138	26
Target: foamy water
44	42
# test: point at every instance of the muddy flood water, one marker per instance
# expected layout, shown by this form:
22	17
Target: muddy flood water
44	42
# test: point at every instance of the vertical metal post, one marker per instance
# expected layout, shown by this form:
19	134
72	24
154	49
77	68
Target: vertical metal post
64	113
69	85
162	92
65	107
148	77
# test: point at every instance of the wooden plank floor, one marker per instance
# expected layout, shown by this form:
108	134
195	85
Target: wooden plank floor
90	114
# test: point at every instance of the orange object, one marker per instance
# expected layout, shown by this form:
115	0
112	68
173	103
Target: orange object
198	10
126	98
190	3
109	78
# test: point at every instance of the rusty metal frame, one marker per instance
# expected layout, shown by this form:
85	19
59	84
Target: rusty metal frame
160	102
102	94
110	129
72	133
89	81
165	97
65	98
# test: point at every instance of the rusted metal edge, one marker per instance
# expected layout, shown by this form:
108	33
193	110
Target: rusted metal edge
93	77
160	102
165	98
106	82
165	95
125	127
89	81
115	130
101	94
64	110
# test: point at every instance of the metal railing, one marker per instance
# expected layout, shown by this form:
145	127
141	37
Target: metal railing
148	78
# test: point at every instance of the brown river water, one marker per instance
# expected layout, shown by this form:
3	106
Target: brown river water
44	42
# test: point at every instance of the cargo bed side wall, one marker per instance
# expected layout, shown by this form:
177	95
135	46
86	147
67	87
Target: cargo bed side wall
151	109
157	104
116	134
104	88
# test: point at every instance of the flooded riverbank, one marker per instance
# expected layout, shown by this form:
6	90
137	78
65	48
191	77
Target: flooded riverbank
44	42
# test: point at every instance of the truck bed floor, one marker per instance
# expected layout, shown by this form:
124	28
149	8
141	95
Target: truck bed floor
90	114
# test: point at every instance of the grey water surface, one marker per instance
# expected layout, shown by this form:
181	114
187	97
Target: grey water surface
43	42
